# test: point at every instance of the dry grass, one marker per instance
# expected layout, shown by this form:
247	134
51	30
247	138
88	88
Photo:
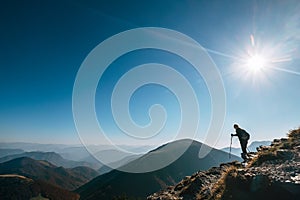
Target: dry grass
263	157
219	187
294	137
231	177
270	154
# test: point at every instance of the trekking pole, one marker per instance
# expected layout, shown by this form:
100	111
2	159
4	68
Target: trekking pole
230	147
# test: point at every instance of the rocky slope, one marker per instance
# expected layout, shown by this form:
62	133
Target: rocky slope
271	173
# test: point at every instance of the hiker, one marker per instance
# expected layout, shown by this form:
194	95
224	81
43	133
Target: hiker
243	137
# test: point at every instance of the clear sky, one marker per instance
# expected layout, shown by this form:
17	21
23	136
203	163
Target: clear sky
254	44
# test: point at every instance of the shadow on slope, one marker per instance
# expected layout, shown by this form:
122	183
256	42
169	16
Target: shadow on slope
14	187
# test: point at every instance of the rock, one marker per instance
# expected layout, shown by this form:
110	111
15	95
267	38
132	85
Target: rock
284	154
296	178
262	148
276	141
265	148
258	149
248	174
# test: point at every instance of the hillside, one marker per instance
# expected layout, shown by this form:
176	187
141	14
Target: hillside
15	187
69	179
271	173
139	185
51	157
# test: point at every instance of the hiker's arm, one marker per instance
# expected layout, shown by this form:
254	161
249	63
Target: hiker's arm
233	134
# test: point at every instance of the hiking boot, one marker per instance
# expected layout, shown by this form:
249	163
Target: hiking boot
244	156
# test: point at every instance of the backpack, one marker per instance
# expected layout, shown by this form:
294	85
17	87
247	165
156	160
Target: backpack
244	135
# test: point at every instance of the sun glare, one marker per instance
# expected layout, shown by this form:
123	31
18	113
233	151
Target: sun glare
256	63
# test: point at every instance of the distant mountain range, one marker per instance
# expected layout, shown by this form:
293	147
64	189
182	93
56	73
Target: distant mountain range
7	152
107	153
34	146
53	170
76	152
139	185
74	155
69	179
51	157
251	147
48	175
13	187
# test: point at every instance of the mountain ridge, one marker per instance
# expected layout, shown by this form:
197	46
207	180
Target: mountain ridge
115	183
69	179
6	152
51	157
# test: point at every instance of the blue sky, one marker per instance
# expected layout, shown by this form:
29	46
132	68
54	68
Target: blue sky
43	44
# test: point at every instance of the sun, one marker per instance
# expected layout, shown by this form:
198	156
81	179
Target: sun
256	63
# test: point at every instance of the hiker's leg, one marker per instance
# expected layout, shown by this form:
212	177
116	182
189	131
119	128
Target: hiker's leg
244	146
244	149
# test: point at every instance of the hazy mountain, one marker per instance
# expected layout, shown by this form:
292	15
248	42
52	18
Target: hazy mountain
42	170
79	152
106	152
15	187
117	183
104	169
7	152
34	146
51	157
114	158
74	153
251	147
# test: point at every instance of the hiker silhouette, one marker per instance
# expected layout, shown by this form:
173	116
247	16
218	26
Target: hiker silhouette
243	137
